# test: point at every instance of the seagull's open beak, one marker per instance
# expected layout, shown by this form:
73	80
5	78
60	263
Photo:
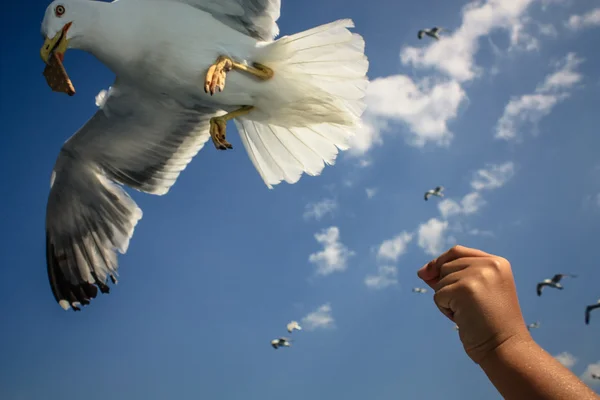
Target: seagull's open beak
58	44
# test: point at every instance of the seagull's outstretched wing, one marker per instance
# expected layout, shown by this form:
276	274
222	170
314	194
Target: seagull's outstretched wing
539	288
588	311
420	34
136	139
256	18
556	278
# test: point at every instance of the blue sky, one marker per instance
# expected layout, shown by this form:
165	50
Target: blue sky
502	112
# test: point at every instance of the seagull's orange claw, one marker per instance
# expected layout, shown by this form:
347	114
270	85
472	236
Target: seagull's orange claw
215	77
217	73
218	126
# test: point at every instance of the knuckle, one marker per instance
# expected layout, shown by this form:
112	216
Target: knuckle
500	264
455	250
470	286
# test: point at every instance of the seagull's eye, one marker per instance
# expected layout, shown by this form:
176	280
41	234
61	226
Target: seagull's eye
59	10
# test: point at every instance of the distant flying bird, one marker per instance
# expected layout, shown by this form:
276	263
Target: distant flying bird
433	32
419	290
534	325
293	326
183	70
595	376
276	343
589	309
434	192
455	327
554	282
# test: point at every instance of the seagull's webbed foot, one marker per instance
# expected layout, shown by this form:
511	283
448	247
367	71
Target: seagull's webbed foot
215	77
218	127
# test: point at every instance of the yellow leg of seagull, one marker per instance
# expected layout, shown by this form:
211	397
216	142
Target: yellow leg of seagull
218	126
215	77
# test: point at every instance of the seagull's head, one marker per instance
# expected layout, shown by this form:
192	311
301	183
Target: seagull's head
59	26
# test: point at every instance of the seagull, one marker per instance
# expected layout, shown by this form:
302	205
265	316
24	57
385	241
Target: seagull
433	32
595	376
589	309
419	290
434	192
184	68
293	326
285	342
455	327
534	325
554	282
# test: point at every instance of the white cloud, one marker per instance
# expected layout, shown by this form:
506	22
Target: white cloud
321	318
393	248
334	256
493	176
366	136
520	39
386	276
470	204
479	232
531	108
431	236
371	192
566	359
587	20
425	107
587	374
454	54
320	209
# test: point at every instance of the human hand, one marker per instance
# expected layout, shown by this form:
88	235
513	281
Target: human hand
476	290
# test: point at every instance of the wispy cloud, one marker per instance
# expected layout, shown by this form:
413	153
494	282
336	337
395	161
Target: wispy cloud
531	108
393	248
386	276
454	55
470	204
320	209
427	106
587	374
493	176
432	236
371	192
334	256
587	20
566	359
321	318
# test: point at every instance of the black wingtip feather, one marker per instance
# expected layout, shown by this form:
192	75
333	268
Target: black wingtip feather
63	289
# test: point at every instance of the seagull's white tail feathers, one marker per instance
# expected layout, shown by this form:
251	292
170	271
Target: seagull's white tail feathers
283	154
312	105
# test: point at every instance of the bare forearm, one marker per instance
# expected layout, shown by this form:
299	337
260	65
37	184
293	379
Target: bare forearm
521	369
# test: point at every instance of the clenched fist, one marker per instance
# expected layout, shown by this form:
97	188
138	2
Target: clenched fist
477	291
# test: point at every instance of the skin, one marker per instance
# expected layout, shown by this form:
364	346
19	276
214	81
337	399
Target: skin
476	290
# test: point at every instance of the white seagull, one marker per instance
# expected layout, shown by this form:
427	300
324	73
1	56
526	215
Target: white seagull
595	376
433	32
533	325
438	191
554	282
281	342
419	290
589	309
293	326
296	102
